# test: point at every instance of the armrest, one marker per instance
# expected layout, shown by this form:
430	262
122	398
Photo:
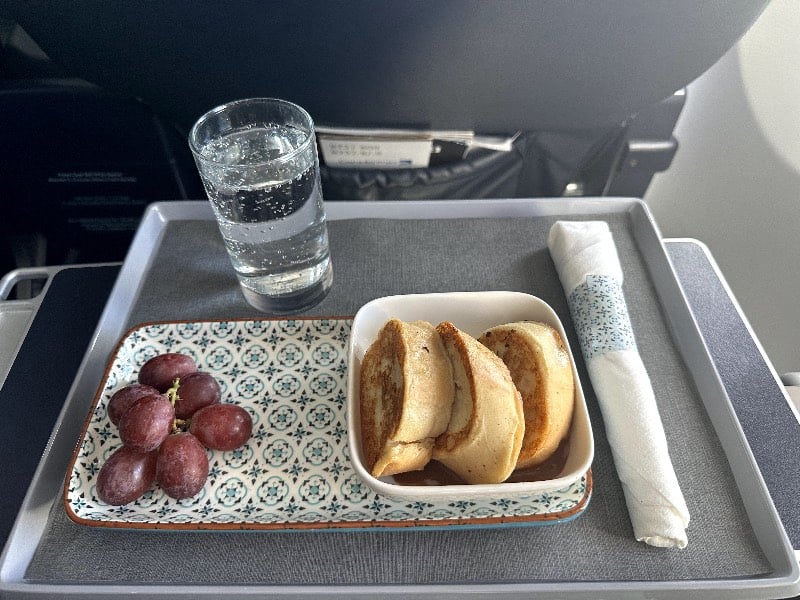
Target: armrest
791	379
792	383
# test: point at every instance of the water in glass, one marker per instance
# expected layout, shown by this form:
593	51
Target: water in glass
270	211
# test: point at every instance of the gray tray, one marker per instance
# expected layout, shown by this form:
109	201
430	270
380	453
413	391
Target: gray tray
737	546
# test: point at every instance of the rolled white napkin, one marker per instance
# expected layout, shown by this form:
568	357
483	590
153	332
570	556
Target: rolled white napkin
588	266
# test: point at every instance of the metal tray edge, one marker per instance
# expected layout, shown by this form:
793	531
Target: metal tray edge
694	350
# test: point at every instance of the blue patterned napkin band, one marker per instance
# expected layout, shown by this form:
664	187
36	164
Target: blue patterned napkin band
601	316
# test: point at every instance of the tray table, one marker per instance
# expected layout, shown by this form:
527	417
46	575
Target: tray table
738	547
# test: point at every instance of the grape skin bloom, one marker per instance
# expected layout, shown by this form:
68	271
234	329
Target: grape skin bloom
126	475
147	423
222	426
182	466
162	370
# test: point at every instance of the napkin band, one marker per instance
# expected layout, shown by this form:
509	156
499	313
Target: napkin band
600	315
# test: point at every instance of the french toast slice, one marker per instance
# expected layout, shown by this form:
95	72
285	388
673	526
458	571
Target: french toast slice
541	370
484	435
406	393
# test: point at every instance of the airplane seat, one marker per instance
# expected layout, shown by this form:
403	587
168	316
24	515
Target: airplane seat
585	94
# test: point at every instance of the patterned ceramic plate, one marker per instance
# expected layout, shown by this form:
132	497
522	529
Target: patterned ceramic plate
295	472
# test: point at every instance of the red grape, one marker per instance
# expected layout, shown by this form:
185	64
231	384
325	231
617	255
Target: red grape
147	423
162	370
196	391
122	399
182	466
222	426
126	475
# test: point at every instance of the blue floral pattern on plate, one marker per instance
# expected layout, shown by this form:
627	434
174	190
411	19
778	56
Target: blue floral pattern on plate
295	472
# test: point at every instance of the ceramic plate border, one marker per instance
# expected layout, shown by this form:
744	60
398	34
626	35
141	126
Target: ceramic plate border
291	375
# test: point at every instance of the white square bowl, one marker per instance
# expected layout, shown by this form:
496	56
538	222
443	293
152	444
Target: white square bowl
473	313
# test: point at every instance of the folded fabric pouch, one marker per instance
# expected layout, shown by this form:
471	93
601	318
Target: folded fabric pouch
588	266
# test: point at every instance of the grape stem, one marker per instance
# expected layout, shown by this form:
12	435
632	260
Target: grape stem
172	393
178	425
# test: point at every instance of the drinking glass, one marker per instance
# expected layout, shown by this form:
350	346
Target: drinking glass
258	162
